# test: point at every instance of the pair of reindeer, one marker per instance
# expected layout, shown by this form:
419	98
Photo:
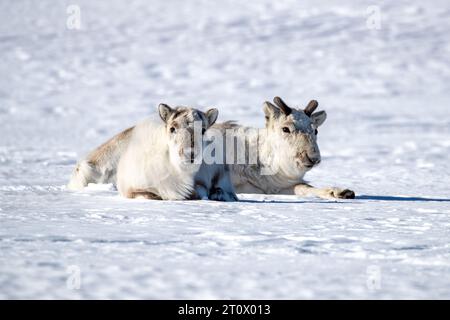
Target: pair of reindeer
155	159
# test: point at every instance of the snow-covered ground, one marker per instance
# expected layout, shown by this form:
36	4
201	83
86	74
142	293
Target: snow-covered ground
386	91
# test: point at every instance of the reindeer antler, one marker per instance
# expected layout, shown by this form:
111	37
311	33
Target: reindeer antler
282	105
312	105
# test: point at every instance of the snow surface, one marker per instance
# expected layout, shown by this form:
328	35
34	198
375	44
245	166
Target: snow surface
386	91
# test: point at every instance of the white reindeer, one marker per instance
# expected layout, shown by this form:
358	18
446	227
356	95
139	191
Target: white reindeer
286	149
159	160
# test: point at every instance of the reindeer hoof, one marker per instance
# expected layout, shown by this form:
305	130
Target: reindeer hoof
219	195
345	194
337	193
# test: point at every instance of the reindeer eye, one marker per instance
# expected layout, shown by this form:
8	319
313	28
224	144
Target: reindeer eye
286	129
203	131
172	129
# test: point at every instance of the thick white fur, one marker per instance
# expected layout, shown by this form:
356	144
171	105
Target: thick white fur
277	151
282	162
144	161
146	165
83	174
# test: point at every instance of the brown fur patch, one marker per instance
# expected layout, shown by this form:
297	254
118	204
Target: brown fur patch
106	148
226	125
179	112
134	193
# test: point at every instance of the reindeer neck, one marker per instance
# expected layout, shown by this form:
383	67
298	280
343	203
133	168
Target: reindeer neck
258	140
267	150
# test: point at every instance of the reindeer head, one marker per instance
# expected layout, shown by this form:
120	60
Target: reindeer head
293	132
185	128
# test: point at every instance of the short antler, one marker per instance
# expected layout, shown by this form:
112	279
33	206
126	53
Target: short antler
282	105
311	107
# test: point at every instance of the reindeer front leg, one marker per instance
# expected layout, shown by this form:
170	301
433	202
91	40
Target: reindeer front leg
222	189
200	191
304	189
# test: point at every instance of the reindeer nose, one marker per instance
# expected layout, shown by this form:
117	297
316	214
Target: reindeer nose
310	160
315	160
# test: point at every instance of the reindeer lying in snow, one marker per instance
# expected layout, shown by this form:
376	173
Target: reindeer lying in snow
286	149
157	160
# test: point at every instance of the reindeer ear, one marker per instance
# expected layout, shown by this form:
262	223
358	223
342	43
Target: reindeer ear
270	110
164	111
212	115
318	118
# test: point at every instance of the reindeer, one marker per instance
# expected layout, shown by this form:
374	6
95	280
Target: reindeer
287	149
159	160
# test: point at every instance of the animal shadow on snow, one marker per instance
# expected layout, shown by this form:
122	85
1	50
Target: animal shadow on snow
293	201
361	197
392	198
